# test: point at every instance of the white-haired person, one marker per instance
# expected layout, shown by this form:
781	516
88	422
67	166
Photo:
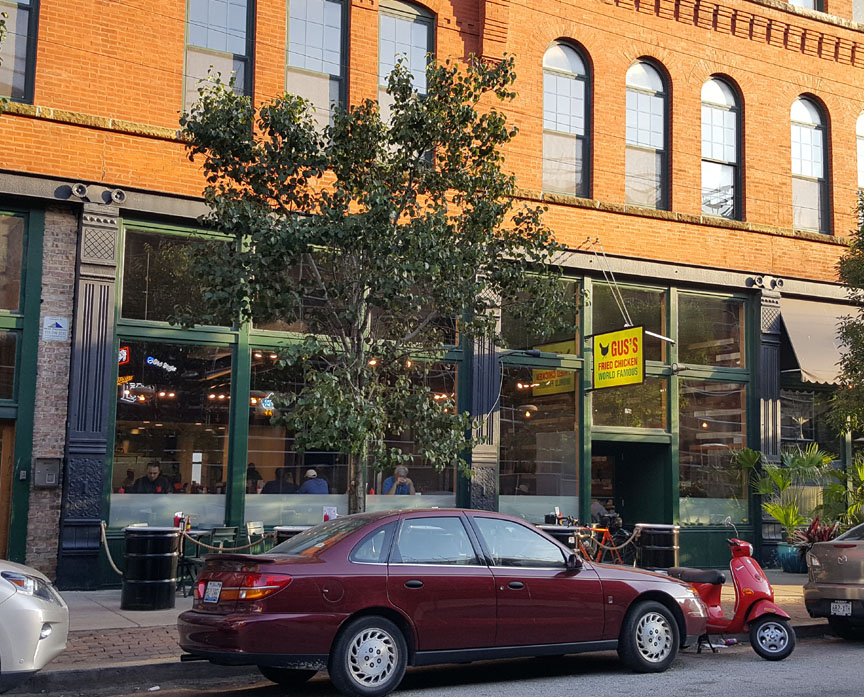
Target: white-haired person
399	483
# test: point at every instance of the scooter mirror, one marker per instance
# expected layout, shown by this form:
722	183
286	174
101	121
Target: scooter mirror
728	521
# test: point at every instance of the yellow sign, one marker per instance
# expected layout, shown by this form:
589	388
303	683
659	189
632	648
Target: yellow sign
547	381
619	358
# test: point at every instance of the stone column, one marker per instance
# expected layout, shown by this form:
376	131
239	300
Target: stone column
90	392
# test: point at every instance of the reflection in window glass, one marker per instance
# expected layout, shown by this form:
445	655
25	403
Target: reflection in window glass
516	327
432	487
711	331
511	544
809	186
315	53
646	308
11	258
171	433
158	276
405	32
719	149
564	117
8	341
433	541
539	416
645	157
804	420
16	46
713	422
633	406
216	35
373	549
284	486
859	139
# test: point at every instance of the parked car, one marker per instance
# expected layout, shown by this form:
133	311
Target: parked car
364	596
34	622
835	587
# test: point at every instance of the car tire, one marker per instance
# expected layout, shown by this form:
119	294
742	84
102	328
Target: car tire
844	629
287	677
772	638
368	658
649	638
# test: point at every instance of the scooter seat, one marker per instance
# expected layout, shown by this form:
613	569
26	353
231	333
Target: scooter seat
711	576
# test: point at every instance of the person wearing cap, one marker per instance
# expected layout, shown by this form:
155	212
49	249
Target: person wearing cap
312	484
398	484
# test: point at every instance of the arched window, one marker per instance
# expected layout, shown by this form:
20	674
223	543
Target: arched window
809	185
720	173
859	137
646	159
405	31
565	121
315	63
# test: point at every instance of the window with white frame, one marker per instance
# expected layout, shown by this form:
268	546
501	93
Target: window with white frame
859	138
217	38
564	121
719	149
646	150
18	49
315	57
809	185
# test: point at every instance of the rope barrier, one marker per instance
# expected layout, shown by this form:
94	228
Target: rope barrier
217	548
108	551
621	546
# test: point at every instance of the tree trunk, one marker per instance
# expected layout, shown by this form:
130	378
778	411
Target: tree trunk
356	483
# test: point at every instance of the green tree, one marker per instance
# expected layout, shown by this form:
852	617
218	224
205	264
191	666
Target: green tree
380	237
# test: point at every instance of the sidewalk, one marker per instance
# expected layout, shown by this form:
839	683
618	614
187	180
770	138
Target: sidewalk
107	644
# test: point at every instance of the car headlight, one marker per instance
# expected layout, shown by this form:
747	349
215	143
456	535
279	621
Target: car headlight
31	585
813	561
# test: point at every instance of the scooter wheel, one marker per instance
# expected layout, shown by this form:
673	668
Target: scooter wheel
772	637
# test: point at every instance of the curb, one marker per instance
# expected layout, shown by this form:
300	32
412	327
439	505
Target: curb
153	673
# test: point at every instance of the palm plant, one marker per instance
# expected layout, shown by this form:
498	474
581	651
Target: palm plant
843	495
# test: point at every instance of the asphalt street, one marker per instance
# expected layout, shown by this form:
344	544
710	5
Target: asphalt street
818	666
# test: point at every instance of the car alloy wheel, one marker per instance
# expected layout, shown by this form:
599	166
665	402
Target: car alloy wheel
649	638
772	637
369	658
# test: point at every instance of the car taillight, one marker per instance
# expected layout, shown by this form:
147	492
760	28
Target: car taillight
255	587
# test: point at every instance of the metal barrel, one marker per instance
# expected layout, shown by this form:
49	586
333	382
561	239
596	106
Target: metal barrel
657	546
150	579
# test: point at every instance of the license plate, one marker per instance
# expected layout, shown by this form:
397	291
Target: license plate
214	588
841	608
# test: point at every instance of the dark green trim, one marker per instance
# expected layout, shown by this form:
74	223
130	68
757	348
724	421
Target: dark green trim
238	428
586	403
673	420
108	479
26	379
464	398
635	435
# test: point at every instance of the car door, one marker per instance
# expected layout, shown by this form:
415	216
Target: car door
436	576
540	601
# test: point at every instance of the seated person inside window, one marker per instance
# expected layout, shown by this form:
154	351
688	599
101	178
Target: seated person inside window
312	484
153	483
283	483
398	483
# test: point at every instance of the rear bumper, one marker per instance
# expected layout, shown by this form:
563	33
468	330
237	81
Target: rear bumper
246	639
818	604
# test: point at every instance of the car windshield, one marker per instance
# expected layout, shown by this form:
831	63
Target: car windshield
856	533
313	541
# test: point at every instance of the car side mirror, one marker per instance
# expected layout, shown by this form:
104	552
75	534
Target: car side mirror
574	562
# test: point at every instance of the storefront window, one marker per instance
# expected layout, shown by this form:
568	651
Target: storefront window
159	277
431	487
280	486
646	308
11	255
7	364
171	434
711	331
636	406
539	413
804	420
713	423
517	335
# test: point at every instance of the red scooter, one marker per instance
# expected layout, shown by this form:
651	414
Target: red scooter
771	636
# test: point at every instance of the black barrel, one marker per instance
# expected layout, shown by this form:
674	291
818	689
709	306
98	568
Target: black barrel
565	534
286	532
657	546
150	579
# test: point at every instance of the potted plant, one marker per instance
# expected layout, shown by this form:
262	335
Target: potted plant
790	519
817	531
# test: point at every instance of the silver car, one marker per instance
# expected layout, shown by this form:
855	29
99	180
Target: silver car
835	588
34	622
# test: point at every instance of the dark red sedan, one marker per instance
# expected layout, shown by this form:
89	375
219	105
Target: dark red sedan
366	595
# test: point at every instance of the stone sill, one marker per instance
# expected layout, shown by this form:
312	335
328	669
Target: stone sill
672	216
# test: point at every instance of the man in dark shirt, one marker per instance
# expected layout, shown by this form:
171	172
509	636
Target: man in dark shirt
282	484
154	483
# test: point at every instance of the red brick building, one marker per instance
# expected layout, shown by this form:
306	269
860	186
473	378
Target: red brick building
707	154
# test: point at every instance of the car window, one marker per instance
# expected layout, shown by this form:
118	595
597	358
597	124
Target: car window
433	541
856	533
313	541
512	544
374	547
